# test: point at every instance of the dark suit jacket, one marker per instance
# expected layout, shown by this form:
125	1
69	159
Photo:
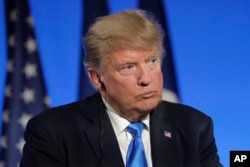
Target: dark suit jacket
80	134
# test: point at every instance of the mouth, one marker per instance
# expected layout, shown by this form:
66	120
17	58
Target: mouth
147	95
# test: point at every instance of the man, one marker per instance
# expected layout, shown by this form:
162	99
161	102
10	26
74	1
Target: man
123	59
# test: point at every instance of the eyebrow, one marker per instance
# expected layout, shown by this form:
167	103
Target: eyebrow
124	63
153	56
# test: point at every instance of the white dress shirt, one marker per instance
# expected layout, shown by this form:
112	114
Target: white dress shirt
124	137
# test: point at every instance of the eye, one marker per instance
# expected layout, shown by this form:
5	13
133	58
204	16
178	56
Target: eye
127	69
153	62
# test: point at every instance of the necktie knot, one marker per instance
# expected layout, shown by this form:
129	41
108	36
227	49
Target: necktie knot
135	129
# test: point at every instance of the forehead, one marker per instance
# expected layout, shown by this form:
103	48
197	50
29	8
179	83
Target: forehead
132	55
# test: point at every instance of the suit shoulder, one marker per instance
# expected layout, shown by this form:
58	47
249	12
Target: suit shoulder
61	110
183	112
186	119
56	114
75	111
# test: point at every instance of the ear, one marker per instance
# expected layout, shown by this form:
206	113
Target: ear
94	77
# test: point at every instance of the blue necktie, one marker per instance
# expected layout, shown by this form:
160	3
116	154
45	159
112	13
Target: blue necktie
136	154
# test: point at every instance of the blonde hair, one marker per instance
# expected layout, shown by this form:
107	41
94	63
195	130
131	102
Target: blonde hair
130	29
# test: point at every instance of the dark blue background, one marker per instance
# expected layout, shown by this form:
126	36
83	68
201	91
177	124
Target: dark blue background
211	48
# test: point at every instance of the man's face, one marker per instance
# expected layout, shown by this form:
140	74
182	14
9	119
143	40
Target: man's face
133	82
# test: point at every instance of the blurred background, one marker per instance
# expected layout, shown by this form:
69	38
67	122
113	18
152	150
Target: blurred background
210	43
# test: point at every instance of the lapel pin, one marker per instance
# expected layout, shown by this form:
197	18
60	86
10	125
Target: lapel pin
167	134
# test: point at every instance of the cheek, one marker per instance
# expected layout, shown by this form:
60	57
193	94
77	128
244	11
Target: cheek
157	78
126	84
126	87
116	83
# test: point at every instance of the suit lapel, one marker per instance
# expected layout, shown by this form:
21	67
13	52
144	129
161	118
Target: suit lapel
163	137
101	136
111	150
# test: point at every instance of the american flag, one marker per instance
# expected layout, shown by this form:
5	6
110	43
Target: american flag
170	91
167	134
25	93
91	10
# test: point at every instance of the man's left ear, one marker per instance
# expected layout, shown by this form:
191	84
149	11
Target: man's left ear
94	77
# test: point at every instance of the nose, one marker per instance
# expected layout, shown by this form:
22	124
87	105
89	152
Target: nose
144	76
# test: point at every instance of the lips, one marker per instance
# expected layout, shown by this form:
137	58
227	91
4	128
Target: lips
147	95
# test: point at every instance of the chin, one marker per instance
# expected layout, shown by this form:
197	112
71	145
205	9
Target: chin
147	105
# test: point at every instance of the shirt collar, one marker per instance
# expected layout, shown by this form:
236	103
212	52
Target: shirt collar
119	123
